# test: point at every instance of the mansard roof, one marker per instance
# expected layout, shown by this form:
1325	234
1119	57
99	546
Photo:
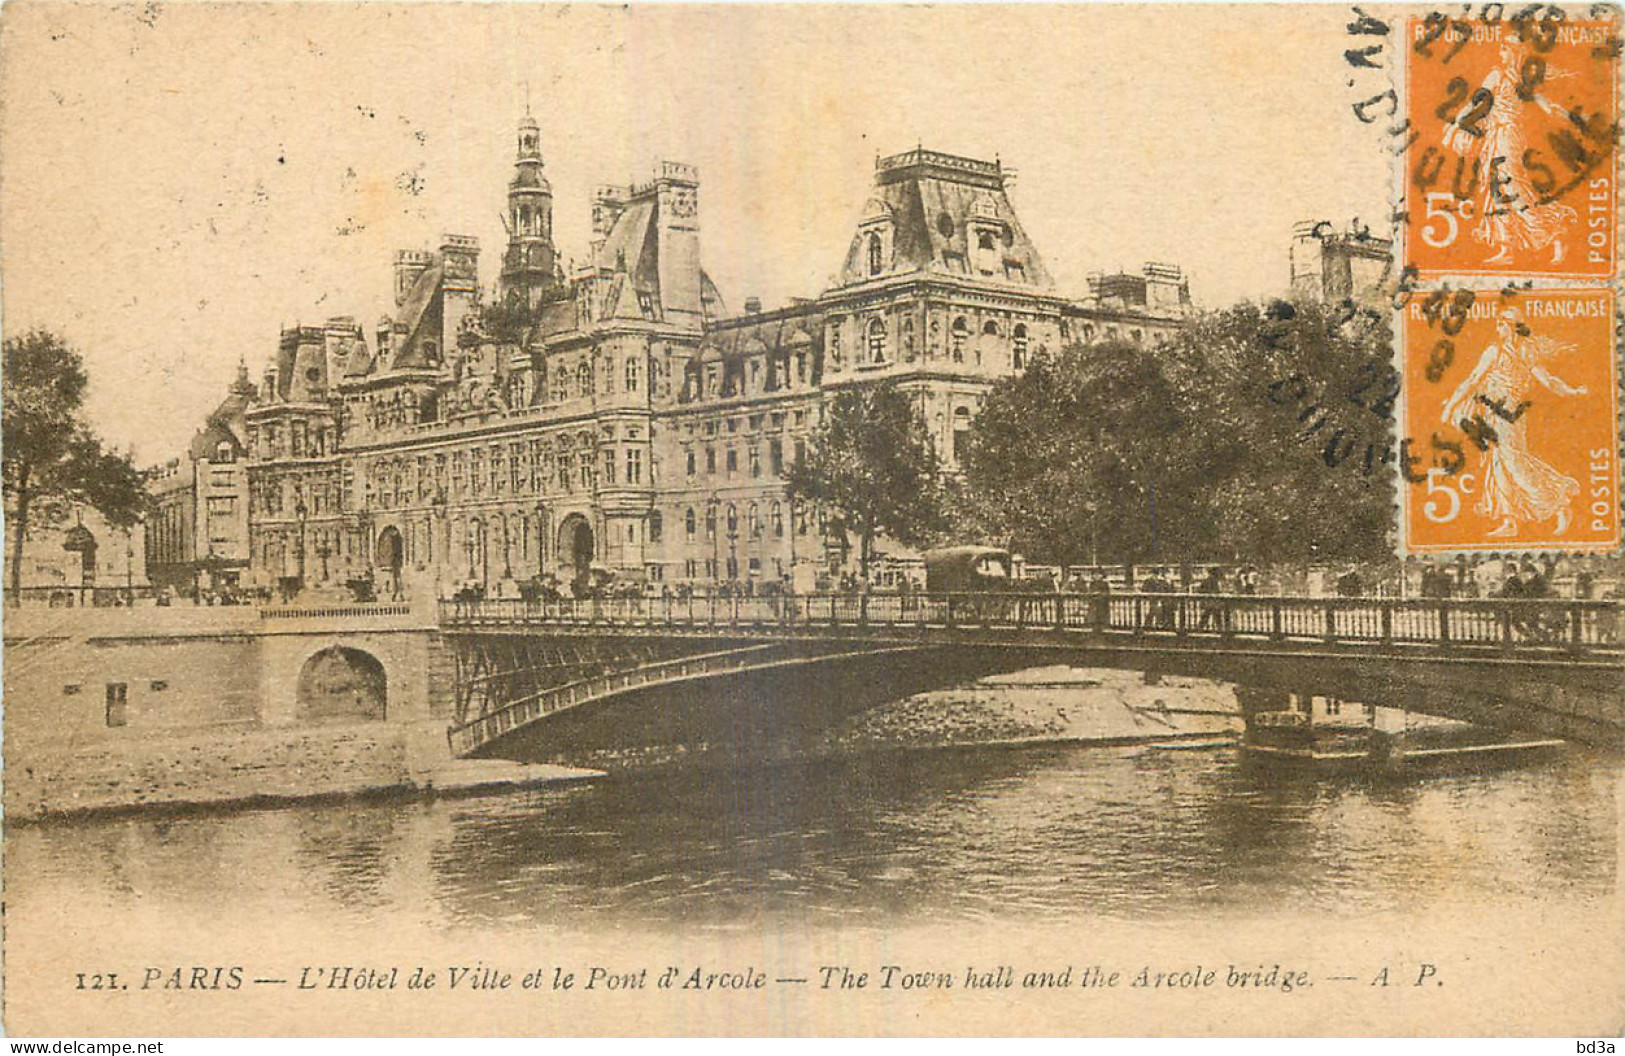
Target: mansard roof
359	362
641	266
932	200
783	332
227	422
415	309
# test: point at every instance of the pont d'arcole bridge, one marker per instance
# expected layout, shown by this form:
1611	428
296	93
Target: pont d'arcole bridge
549	677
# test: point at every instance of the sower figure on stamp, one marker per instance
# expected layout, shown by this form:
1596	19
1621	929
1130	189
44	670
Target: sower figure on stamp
1513	216
1518	486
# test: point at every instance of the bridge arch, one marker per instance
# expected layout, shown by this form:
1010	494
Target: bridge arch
341	683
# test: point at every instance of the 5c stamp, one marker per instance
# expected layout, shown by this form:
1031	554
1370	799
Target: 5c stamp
1510	406
1516	125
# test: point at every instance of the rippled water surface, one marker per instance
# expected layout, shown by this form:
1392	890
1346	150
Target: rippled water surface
1134	833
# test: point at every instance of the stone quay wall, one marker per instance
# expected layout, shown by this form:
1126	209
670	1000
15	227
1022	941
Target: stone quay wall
125	708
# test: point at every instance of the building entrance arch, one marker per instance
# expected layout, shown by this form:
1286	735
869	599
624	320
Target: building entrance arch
576	548
389	553
342	684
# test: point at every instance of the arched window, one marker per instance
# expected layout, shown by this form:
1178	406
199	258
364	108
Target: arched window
631	373
959	334
876	253
835	345
990	328
584	379
961	431
1018	346
688	524
877	341
753	524
778	521
908	338
1088	331
711	521
733	520
984	241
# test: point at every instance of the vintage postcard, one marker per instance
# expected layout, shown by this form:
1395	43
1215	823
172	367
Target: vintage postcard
1025	520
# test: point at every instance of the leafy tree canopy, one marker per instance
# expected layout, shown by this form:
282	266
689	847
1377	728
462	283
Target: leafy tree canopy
52	460
1257	431
872	462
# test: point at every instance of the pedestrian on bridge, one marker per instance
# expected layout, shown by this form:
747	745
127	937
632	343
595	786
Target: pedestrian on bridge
1213	614
1159	613
1100	602
1247	580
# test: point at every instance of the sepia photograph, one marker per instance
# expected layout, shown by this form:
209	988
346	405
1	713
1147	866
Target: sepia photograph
811	520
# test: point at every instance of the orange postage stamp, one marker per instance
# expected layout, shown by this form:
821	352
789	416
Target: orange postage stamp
1510	406
1516	125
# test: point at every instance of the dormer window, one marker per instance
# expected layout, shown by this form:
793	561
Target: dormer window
872	254
985	258
876	254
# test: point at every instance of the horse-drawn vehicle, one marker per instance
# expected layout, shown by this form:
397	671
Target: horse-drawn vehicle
983	580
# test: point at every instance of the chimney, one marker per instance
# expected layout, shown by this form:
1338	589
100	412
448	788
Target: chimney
409	264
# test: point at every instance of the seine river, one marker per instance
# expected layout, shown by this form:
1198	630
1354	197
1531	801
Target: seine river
973	834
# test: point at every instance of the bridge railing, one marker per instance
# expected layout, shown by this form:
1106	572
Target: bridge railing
1562	624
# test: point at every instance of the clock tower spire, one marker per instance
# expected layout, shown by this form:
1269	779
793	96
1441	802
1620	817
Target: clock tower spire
530	265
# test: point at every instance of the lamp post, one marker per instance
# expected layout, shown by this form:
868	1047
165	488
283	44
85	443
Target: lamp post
300	512
507	545
733	543
1094	551
129	569
711	529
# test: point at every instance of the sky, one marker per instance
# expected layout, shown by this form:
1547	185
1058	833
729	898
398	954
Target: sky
180	182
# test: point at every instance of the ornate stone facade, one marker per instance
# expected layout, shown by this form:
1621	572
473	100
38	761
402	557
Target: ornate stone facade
618	416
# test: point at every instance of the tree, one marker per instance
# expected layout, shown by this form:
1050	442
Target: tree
1088	453
1255	432
1300	399
872	461
52	460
